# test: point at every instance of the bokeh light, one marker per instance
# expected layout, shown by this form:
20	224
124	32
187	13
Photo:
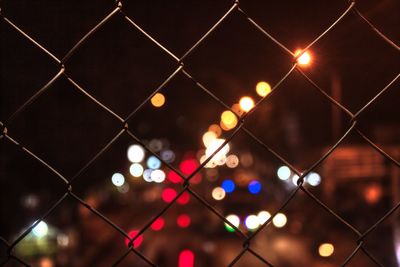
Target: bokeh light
183	220
158	224
326	249
228	119
136	169
263	216
313	179
214	146
153	162
218	193
168	194
246	103
158	100
168	156
279	220
173	177
184	198
216	129
147	175
304	59
135	153
158	176
263	89
254	187
232	161
234	220
228	185
208	137
252	222
284	173
137	242
117	179
188	166
186	258
40	230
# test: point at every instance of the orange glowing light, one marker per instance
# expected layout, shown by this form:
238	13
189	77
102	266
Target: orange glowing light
263	89
304	59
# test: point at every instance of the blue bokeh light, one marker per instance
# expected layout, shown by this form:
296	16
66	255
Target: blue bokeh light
153	163
228	185
254	187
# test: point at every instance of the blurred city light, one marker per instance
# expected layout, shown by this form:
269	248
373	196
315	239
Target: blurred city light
246	103
147	175
173	177
158	100
184	198
313	179
183	220
157	176
208	137
136	169
263	89
158	224
153	162
304	59
279	220
263	216
234	220
168	194
40	230
254	187
186	258
252	222
232	161
135	153
218	193
326	249
228	185
214	146
284	173
133	234
117	179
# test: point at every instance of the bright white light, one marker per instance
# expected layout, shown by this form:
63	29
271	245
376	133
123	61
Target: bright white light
218	193
153	162
135	153
147	175
233	219
208	137
284	173
118	179
136	170
214	145
304	59
252	222
313	178
157	176
279	220
40	229
295	178
263	216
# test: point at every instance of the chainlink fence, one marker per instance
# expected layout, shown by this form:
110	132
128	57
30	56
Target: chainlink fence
70	182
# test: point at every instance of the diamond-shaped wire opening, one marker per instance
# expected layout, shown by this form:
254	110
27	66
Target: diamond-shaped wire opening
54	26
158	20
51	114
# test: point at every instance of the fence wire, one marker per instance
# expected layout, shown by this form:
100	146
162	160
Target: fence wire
234	10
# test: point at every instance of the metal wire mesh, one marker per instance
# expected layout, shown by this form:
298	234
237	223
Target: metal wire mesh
234	10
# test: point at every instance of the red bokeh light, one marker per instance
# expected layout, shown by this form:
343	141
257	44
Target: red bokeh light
188	166
184	198
173	177
186	258
168	194
158	224
137	241
183	220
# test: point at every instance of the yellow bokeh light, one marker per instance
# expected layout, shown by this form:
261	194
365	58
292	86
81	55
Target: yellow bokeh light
218	193
326	250
158	100
263	89
304	59
227	117
246	103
